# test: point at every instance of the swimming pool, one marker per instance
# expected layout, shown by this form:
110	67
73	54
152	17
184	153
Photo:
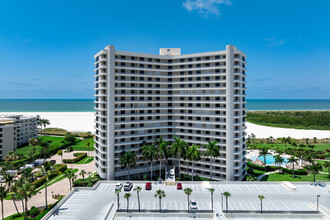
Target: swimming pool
269	159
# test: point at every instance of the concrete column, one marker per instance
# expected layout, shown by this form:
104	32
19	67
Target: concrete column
229	112
111	114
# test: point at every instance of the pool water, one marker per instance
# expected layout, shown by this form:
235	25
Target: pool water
269	159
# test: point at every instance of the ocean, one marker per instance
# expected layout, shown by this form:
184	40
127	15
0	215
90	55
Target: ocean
87	105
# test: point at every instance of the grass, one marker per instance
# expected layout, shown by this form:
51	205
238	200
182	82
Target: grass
318	120
288	177
85	160
62	132
318	147
323	168
81	145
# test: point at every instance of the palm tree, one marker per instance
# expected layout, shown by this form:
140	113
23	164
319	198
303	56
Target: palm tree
47	166
33	142
27	191
188	192
327	165
138	189
13	192
60	153
285	141
3	195
127	196
45	122
271	138
160	194
163	153
88	144
10	157
117	191
178	150
8	179
193	154
227	195
315	139
212	151
261	197
306	141
278	160
128	160
293	160
264	152
89	178
70	175
83	173
314	168
212	191
149	153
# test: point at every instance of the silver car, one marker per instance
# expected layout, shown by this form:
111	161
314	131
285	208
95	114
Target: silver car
193	204
118	186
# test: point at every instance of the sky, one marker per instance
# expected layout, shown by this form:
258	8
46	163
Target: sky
47	47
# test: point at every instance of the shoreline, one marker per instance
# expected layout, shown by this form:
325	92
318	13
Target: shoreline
84	121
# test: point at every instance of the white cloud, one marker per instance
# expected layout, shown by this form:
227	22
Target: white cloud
273	42
205	7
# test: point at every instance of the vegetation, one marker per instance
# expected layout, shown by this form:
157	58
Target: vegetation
261	197
227	195
160	194
188	192
62	132
138	189
212	151
318	120
288	177
76	159
128	160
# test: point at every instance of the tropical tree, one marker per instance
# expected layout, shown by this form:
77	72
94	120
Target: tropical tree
285	141
212	151
83	173
45	122
261	197
128	160
28	175
293	160
314	169
88	144
47	166
326	165
160	194
60	153
89	178
117	191
194	155
3	195
163	153
88	135
149	153
71	176
227	195
127	196
306	141
33	142
14	194
11	156
278	160
212	191
188	192
315	139
8	179
178	150
27	191
264	152
138	189
271	139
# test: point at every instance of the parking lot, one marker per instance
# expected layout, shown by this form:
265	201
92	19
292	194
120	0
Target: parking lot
95	204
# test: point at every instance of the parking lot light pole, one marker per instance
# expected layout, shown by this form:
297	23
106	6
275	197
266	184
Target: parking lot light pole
317	202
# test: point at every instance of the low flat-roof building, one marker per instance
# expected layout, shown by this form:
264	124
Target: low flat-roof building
16	130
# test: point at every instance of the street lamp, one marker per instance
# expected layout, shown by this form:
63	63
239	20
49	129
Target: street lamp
317	202
222	201
52	194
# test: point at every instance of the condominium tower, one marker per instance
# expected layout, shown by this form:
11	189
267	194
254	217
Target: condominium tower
197	97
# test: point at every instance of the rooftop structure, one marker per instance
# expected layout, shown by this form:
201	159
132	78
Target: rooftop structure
16	130
196	97
282	201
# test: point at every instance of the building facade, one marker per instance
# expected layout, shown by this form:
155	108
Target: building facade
16	130
196	97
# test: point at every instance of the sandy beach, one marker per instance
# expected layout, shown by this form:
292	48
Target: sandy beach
84	121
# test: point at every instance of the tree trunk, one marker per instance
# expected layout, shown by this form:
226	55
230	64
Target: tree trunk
160	168
212	201
314	178
14	201
26	206
139	201
211	168
261	205
46	193
151	170
160	205
129	173
179	168
117	201
293	170
188	203
227	204
192	172
127	204
23	209
2	209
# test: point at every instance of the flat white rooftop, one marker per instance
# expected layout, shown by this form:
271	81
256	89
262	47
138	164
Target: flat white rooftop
100	202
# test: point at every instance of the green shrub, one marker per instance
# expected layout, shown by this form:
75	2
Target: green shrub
77	154
42	180
296	172
34	211
262	168
85	182
61	168
75	160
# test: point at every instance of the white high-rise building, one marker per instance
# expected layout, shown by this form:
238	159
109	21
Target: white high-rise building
198	97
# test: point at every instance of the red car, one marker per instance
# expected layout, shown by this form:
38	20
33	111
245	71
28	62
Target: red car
179	186
148	186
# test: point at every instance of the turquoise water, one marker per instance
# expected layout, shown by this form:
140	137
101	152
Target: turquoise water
269	159
87	105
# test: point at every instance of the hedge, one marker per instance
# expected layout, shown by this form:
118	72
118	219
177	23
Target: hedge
296	172
85	182
60	168
42	180
77	154
257	167
75	160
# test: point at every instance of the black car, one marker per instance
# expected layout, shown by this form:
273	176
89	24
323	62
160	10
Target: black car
52	162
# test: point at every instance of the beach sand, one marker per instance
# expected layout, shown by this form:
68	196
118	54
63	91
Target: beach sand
84	121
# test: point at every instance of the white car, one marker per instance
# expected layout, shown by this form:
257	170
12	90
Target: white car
118	186
193	204
128	186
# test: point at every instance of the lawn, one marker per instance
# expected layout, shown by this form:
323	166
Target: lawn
318	120
288	177
323	168
81	145
318	147
85	160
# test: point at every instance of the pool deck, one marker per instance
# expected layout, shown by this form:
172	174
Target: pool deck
253	152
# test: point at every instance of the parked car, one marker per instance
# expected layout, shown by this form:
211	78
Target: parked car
148	186
118	186
52	162
193	204
179	186
39	162
128	186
